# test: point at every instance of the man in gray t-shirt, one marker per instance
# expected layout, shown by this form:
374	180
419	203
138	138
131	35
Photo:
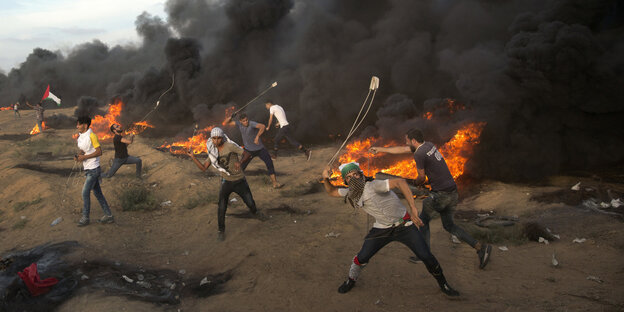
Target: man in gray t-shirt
252	144
392	221
443	197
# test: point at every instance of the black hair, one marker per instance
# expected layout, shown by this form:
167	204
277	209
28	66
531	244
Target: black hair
242	116
85	120
416	134
112	128
268	102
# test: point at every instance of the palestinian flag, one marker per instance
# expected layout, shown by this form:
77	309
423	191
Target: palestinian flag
49	96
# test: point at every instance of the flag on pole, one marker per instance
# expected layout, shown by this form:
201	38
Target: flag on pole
49	96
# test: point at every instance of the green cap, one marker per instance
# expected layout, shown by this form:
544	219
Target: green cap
345	168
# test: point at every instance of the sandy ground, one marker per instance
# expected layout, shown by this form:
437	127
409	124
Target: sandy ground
287	263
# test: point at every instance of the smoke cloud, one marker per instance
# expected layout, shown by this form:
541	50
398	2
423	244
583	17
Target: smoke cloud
546	76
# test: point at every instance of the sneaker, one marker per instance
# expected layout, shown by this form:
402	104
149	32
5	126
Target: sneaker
84	221
346	286
448	290
274	154
106	219
484	255
414	259
221	236
308	153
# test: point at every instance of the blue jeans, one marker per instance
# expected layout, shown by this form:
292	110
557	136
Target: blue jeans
93	183
443	203
118	162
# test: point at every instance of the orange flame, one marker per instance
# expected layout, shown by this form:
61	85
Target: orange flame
101	124
196	143
6	108
36	130
428	115
451	105
456	153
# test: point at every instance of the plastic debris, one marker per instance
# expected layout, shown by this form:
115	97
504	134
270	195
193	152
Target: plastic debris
182	271
503	248
455	240
615	203
233	200
140	277
556	236
165	203
579	240
23	217
576	187
332	234
554	260
129	280
185	253
605	205
204	281
144	284
543	240
594	278
84	277
56	221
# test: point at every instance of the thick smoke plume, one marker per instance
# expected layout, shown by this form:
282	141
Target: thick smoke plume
546	76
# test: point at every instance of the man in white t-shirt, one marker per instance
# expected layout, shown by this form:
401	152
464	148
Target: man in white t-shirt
392	221
284	129
90	152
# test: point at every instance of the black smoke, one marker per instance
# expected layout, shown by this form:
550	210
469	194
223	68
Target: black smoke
546	76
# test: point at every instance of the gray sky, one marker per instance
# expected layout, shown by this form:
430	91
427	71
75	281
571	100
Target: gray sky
62	24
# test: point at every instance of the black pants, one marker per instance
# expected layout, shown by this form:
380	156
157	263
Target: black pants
408	236
264	155
239	187
285	132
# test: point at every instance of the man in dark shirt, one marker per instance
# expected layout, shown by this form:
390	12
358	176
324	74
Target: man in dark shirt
39	112
252	144
121	153
443	197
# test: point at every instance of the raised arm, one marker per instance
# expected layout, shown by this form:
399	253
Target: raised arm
28	103
202	167
409	197
329	188
228	121
128	139
391	149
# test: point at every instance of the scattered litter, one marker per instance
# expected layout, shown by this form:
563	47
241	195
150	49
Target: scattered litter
378	302
204	281
155	184
576	187
482	215
144	284
615	203
182	271
84	277
455	240
605	205
528	194
56	221
165	203
129	280
140	277
503	248
185	253
579	240
542	240
594	278
117	263
332	234
193	184
233	200
554	260
173	286
23	217
295	221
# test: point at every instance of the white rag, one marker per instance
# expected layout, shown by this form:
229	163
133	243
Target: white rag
213	152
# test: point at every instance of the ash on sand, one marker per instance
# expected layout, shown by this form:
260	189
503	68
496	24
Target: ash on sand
156	286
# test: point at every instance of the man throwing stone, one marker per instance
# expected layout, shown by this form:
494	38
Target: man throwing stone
392	221
284	129
443	197
121	153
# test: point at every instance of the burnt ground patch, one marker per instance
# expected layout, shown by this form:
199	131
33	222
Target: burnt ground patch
114	278
45	169
14	137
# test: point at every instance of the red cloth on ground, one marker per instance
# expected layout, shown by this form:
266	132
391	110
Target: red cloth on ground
35	285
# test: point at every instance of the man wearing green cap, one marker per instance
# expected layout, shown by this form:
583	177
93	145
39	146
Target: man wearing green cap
392	221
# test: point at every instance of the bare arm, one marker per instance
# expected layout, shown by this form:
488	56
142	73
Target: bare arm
128	139
260	132
98	152
409	197
420	179
202	167
391	150
329	188
28	103
270	120
228	121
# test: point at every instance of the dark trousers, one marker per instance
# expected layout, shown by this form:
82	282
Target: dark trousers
239	187
264	155
443	203
408	236
285	132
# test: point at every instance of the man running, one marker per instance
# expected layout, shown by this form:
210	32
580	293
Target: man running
39	111
443	197
16	110
90	152
392	221
121	153
252	144
284	129
223	155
